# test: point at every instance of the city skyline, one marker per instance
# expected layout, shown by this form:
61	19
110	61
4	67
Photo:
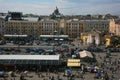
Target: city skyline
66	7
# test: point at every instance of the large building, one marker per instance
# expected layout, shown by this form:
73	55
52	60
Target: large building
112	26
115	27
71	27
2	26
91	38
98	25
43	27
74	28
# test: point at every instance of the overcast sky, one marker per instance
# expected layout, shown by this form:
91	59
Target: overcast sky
66	7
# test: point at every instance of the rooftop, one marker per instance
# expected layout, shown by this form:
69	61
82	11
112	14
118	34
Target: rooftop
53	35
29	57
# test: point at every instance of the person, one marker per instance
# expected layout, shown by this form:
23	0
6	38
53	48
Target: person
21	77
52	78
58	77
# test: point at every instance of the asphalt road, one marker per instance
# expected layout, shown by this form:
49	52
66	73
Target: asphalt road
26	46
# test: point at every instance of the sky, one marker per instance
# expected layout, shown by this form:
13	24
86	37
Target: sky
66	7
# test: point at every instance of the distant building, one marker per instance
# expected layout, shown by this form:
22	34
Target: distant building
108	40
74	28
98	25
115	27
2	26
56	13
43	27
112	26
3	14
91	38
15	15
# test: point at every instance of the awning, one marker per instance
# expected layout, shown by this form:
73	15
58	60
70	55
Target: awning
73	63
61	39
30	59
40	62
74	60
55	39
84	54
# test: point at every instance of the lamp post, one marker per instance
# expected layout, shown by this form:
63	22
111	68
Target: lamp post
17	36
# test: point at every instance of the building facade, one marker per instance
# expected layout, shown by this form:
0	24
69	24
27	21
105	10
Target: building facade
91	38
114	27
73	27
2	26
117	29
44	27
98	25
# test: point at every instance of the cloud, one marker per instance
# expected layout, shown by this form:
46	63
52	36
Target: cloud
92	7
70	7
37	8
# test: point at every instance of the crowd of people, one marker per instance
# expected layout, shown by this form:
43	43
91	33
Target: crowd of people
108	69
110	65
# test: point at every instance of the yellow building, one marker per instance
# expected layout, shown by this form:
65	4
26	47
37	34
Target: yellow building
74	28
44	27
108	41
84	38
91	38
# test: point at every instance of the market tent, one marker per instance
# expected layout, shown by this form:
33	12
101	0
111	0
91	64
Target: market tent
73	63
30	59
2	73
85	53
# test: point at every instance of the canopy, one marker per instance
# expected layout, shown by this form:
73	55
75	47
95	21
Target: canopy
69	71
1	72
99	72
30	59
85	53
73	62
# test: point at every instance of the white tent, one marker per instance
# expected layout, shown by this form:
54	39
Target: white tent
97	39
85	53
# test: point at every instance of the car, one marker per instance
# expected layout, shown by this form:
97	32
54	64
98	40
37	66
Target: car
2	42
28	43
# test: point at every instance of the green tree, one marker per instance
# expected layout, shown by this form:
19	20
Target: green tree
89	16
115	40
53	17
100	16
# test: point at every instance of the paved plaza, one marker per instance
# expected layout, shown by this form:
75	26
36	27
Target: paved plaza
112	68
